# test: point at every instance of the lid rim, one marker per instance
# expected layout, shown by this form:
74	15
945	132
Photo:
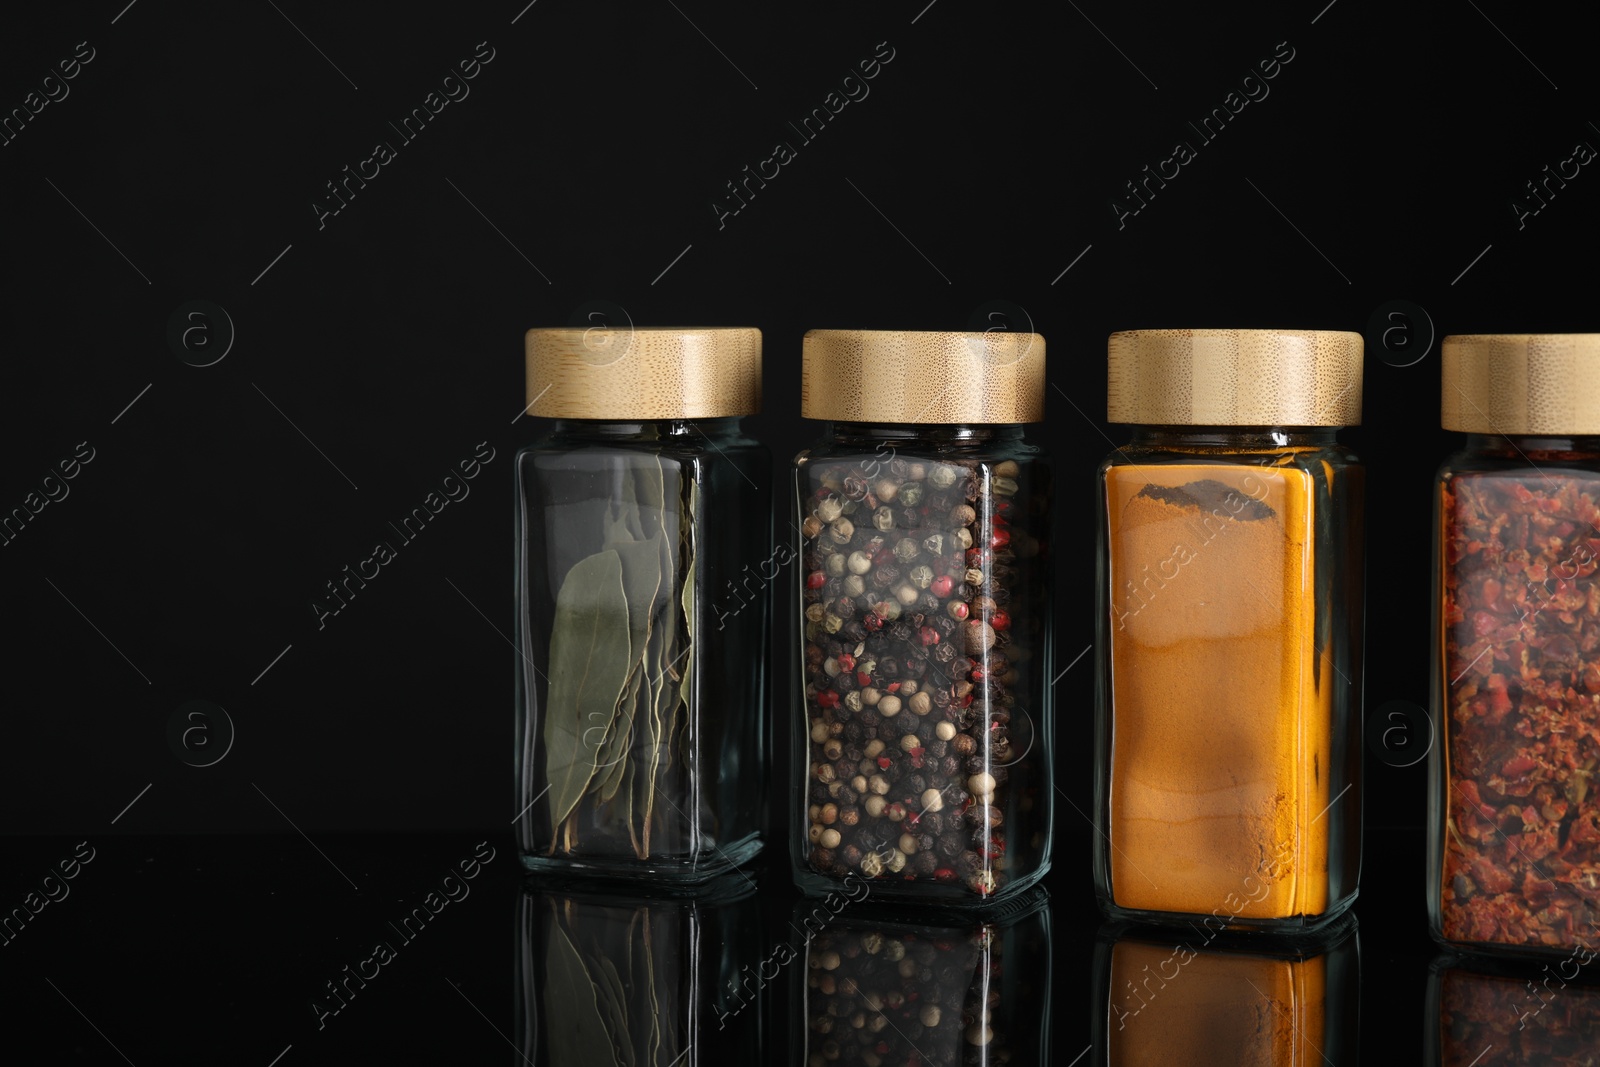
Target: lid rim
1216	376
642	373
1520	383
922	377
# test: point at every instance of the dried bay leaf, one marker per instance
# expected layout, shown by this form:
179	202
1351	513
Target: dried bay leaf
642	580
613	760
589	664
686	695
641	583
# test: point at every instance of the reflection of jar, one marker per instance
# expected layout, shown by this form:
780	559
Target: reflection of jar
1514	843
625	978
947	988
644	564
1227	1000
1229	677
1531	1017
923	747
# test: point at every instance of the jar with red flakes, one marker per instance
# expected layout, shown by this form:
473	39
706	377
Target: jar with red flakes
1514	841
923	741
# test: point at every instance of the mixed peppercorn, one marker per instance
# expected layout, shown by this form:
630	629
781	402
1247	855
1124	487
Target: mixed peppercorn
920	632
1521	622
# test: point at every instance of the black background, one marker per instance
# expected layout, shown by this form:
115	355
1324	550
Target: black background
373	351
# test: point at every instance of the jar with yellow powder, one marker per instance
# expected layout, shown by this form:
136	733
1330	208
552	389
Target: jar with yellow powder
923	743
1228	682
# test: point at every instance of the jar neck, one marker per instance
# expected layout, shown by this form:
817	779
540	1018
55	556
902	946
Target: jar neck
965	433
1234	437
646	430
1533	447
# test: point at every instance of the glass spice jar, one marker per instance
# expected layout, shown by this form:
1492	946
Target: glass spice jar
1514	835
944	988
641	678
1228	683
923	748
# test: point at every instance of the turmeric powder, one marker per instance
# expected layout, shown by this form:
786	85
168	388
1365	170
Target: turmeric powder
1221	720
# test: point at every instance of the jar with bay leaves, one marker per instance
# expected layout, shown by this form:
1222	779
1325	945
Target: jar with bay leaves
924	739
642	515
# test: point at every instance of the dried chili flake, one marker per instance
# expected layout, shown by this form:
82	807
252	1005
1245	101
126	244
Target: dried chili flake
1520	613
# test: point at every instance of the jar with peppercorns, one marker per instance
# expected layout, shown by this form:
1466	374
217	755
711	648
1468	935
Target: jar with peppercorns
1514	835
924	746
1228	684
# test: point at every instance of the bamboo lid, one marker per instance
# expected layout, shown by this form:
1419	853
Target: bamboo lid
1521	383
1234	377
905	376
643	372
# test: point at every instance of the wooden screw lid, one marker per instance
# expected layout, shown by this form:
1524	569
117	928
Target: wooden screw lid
643	373
908	377
1234	377
1521	383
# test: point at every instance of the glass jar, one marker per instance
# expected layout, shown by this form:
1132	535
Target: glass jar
1228	685
924	740
644	539
946	987
1514	834
612	976
1227	999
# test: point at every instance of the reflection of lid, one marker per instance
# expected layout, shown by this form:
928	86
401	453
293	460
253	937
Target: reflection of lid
1521	383
902	376
1234	378
643	373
